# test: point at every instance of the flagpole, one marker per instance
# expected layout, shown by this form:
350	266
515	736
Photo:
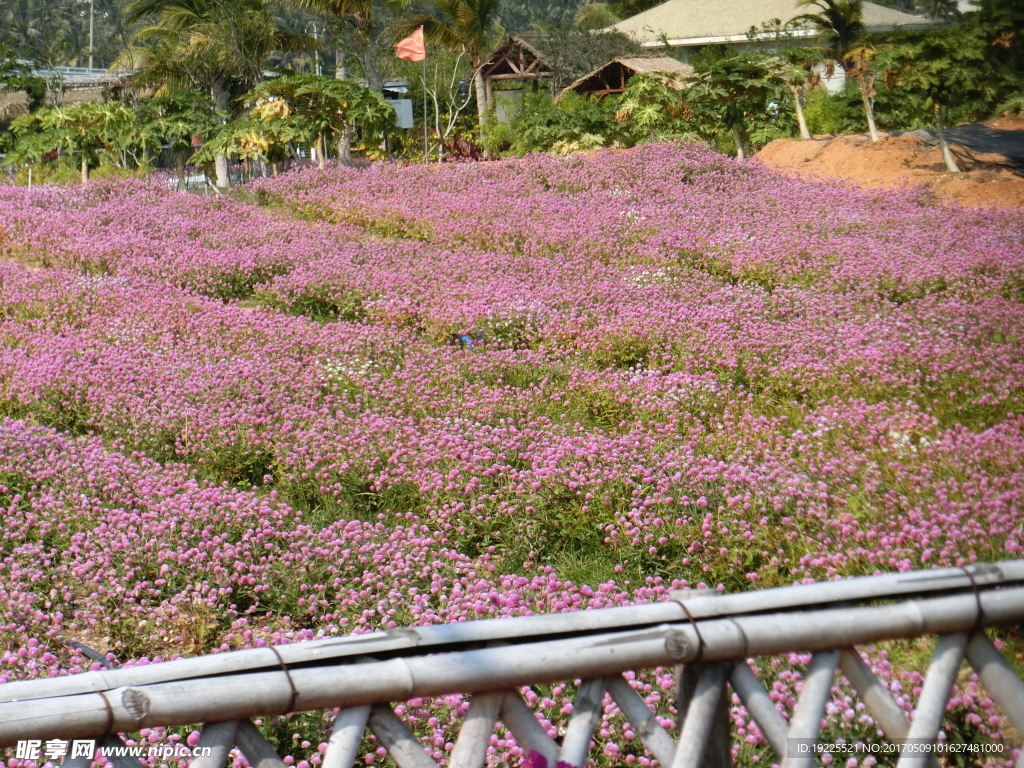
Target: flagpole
426	146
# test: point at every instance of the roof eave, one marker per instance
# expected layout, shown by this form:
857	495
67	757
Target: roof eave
799	33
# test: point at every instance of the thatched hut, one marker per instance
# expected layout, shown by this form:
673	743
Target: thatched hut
613	76
518	58
12	106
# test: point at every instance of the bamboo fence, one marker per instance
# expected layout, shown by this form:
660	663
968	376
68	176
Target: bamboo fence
708	638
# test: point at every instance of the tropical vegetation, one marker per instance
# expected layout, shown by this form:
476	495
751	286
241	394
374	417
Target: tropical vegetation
233	50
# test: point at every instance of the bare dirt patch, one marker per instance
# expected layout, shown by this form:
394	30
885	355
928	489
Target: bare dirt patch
987	180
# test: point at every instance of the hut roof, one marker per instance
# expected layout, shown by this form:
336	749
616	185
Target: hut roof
13	105
521	53
665	68
698	22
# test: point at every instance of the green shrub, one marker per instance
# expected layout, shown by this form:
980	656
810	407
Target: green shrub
825	112
496	137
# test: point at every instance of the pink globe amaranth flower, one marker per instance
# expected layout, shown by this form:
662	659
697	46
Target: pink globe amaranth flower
708	361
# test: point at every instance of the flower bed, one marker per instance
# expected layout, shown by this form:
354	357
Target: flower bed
356	400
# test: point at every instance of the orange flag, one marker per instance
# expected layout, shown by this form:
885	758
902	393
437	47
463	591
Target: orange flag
412	48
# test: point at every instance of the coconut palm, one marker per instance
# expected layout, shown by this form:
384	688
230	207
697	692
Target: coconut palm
215	44
840	27
461	25
941	10
595	15
360	17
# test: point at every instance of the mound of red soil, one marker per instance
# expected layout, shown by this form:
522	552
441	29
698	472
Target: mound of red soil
897	161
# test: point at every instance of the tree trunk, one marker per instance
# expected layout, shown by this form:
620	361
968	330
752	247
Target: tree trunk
220	162
737	137
370	69
481	96
321	154
339	65
85	170
345	146
182	186
869	111
798	100
947	153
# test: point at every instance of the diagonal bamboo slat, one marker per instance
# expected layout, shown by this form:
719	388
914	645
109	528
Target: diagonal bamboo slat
711	639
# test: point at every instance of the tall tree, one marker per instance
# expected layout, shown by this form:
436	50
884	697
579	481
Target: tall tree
461	25
359	16
840	26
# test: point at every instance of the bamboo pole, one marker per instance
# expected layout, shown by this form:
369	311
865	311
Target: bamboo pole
761	707
700	717
999	679
257	750
880	704
470	749
550	626
349	729
931	706
529	733
586	716
403	747
654	737
220	738
411	639
810	707
321	687
705	604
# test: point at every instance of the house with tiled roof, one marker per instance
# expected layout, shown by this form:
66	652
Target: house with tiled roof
691	23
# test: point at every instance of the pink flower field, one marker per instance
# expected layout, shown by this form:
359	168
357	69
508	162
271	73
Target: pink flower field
342	400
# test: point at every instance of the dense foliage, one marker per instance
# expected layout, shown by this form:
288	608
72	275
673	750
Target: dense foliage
730	102
229	424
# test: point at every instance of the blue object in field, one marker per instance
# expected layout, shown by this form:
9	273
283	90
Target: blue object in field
469	340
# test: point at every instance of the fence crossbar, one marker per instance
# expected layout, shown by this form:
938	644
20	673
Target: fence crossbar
526	629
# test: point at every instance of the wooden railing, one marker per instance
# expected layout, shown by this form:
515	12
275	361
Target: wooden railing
707	637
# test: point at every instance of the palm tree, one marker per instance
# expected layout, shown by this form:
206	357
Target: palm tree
595	15
359	15
940	10
840	26
461	25
211	44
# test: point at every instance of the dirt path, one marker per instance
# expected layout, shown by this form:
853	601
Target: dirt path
989	179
